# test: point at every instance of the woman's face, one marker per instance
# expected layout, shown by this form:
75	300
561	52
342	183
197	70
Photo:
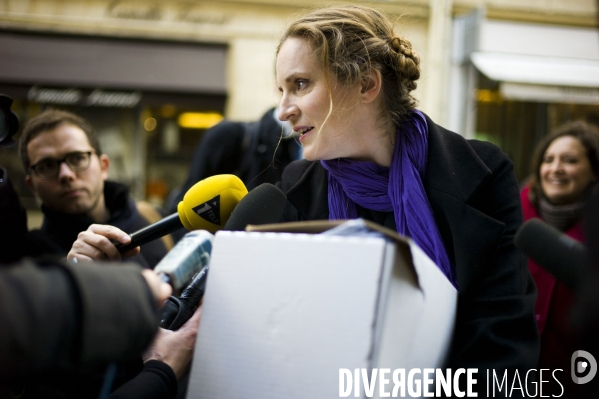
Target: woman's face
305	103
565	171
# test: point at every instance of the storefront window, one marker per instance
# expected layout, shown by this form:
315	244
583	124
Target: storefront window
517	126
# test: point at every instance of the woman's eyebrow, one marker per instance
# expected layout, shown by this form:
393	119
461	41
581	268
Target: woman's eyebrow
290	77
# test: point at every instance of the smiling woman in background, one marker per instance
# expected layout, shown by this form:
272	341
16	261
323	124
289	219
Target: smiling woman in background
565	171
345	80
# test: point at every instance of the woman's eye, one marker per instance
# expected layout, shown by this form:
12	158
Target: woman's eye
301	84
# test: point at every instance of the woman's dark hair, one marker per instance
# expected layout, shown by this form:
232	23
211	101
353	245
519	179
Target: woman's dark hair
351	41
586	133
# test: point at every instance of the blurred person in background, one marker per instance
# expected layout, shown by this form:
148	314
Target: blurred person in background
67	172
256	152
565	175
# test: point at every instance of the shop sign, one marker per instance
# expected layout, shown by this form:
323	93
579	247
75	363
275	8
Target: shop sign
95	98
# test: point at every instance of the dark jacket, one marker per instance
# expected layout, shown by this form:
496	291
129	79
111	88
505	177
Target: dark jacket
59	230
474	196
251	151
62	321
13	221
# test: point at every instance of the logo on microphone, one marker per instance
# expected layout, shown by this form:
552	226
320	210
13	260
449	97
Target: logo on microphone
209	210
583	366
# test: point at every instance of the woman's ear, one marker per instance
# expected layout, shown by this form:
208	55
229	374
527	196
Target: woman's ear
371	86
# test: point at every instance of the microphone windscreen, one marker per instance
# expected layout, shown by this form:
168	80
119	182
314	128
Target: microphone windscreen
209	203
186	258
560	255
263	205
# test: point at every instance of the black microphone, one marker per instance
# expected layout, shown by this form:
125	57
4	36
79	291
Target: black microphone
560	255
263	205
177	311
152	232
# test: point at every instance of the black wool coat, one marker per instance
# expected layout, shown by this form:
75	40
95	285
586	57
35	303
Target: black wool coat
475	199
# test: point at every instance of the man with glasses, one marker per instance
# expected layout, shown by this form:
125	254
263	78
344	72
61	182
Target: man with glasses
68	172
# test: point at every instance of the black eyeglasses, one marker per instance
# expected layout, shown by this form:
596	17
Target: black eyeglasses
77	161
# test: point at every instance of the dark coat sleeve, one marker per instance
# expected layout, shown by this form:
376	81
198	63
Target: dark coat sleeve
72	317
156	381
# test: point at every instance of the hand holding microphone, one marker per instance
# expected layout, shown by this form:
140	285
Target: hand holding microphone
207	206
97	243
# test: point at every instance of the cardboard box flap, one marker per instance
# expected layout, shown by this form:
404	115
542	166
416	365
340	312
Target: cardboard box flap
403	244
320	226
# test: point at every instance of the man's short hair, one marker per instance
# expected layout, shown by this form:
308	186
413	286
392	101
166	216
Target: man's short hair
49	120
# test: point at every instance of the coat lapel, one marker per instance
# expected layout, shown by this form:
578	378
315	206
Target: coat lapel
454	173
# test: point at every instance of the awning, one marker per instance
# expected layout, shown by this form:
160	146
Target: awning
549	94
114	63
540	70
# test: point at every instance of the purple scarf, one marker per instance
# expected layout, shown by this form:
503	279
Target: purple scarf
398	190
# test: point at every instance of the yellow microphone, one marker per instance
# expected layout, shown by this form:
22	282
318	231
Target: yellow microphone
207	205
224	192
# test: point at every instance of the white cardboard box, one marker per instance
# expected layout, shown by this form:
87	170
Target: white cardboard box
284	312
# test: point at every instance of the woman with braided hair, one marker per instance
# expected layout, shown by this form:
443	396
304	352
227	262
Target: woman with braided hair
345	80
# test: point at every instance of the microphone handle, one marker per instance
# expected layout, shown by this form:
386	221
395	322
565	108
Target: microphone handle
557	253
150	233
177	311
195	290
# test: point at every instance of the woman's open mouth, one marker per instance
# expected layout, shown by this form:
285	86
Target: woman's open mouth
303	132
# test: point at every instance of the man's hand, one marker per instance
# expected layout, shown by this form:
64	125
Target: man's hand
159	288
175	348
95	244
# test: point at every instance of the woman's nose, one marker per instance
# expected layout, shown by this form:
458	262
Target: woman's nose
556	165
287	109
